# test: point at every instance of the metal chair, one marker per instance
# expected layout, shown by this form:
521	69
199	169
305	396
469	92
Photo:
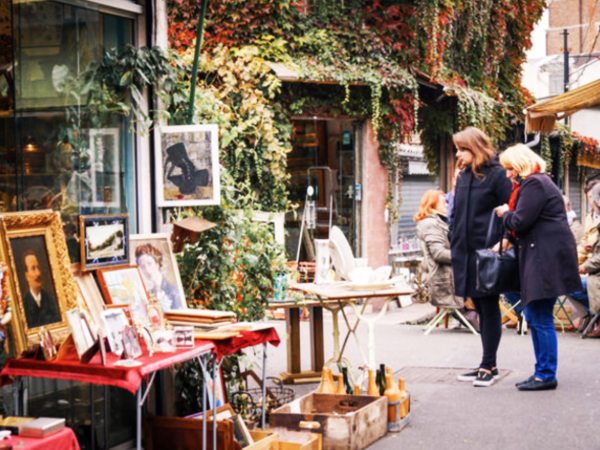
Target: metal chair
446	313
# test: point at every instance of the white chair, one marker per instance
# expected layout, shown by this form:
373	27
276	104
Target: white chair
342	257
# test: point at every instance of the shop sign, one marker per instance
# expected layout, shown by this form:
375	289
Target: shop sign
418	168
409	150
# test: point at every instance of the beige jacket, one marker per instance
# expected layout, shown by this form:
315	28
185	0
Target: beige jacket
590	236
592	268
432	233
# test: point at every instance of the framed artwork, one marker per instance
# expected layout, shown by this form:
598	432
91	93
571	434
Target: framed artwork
275	220
42	287
115	322
90	296
105	168
104	241
187	166
131	343
154	257
124	287
84	337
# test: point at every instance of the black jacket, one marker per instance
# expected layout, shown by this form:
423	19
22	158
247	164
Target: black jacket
546	247
42	315
474	200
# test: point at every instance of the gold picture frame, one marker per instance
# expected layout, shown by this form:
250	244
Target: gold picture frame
33	242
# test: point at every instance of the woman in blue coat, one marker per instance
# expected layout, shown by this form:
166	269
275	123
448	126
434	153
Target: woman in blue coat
480	187
536	221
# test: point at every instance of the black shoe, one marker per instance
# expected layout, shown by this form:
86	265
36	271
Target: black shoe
538	385
484	378
528	380
472	376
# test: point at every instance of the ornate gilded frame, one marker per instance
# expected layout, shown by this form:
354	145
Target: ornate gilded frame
48	225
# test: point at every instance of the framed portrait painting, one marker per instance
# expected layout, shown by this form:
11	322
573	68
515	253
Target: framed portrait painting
155	259
105	168
41	284
104	241
187	166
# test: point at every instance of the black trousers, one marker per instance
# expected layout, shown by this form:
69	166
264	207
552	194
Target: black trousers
490	328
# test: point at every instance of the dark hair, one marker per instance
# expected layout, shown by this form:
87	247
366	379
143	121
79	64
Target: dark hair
476	142
25	255
151	250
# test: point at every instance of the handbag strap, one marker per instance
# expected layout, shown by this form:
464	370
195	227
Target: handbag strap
488	238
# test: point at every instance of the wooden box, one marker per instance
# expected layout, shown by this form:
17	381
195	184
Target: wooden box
263	440
346	422
298	440
180	433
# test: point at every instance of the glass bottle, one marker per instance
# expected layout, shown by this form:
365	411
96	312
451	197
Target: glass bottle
347	381
327	386
394	398
372	389
404	399
341	389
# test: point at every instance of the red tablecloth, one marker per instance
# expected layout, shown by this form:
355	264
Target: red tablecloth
246	339
129	378
70	368
62	440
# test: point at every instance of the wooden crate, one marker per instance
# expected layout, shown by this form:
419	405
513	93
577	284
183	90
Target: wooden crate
180	433
346	422
298	440
263	440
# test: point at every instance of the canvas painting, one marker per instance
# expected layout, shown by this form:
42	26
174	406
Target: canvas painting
187	169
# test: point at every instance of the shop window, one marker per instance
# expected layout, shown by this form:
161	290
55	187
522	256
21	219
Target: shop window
55	152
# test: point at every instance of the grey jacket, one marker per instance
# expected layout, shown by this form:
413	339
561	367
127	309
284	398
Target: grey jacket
432	232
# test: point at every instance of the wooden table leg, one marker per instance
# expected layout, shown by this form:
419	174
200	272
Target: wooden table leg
292	319
316	339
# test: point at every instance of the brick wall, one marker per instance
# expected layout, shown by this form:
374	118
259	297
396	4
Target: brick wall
581	18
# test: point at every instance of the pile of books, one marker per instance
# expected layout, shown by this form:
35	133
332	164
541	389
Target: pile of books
200	319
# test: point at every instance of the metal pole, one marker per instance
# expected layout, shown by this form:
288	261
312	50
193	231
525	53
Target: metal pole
199	33
264	386
138	421
565	34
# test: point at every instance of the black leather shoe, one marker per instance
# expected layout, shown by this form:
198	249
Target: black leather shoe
538	385
528	380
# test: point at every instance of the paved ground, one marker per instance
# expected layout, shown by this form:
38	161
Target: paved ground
448	414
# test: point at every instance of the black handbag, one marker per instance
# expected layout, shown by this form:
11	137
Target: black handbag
496	272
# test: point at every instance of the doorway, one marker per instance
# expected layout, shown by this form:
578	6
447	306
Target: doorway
324	168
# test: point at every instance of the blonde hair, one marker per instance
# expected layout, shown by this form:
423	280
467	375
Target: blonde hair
477	143
428	204
521	158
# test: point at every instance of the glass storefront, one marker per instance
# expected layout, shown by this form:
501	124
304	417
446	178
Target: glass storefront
56	153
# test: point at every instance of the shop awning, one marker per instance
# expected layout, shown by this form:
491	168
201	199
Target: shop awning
543	115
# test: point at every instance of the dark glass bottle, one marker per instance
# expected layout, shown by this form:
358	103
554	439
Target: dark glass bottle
382	384
347	384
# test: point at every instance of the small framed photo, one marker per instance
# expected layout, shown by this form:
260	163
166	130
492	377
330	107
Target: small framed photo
115	322
219	400
124	287
187	166
184	336
154	256
84	337
104	241
131	343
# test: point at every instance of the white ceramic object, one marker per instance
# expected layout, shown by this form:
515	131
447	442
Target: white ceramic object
381	274
322	255
361	275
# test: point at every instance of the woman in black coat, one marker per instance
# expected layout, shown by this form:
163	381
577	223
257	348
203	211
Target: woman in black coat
480	187
536	220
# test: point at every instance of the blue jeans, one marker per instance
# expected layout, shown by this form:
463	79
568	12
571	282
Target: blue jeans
539	317
582	296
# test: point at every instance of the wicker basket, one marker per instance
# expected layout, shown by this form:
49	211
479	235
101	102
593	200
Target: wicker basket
248	403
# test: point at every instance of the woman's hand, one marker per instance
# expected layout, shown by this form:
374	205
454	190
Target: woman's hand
505	245
582	269
501	210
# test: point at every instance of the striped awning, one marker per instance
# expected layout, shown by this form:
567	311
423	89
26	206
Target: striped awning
543	115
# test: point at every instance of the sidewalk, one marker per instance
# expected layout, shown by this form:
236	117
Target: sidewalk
452	415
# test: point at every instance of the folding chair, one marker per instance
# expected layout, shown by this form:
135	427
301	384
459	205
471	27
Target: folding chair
590	325
446	313
560	306
507	311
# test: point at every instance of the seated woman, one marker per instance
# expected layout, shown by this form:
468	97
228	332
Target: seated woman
432	231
